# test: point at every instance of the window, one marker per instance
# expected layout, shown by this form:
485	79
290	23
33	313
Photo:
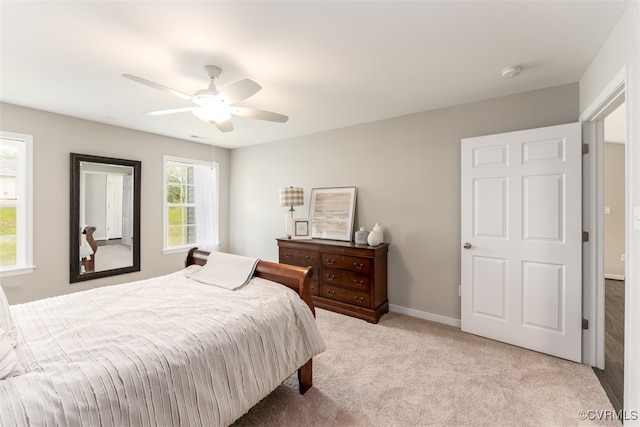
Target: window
190	204
16	203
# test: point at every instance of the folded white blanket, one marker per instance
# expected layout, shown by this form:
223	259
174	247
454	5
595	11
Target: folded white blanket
226	270
85	249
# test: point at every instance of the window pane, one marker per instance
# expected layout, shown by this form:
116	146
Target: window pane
175	216
8	245
190	215
180	183
189	185
190	234
174	173
8	170
9	182
173	193
175	236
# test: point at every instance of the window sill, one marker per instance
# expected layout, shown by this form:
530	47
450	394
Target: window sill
181	249
14	271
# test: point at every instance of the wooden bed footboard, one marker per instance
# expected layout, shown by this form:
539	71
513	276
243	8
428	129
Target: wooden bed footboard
296	278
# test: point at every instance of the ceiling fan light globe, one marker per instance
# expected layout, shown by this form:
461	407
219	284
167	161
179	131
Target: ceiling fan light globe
214	115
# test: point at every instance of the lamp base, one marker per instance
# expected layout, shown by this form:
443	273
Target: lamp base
288	220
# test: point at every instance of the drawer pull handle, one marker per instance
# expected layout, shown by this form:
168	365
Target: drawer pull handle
358	282
331	276
331	292
331	261
287	254
358	265
358	299
309	258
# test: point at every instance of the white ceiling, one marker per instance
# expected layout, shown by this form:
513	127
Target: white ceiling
325	64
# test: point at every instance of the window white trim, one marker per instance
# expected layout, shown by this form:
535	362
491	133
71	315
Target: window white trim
24	232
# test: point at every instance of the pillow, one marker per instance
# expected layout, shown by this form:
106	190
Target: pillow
6	321
10	365
225	270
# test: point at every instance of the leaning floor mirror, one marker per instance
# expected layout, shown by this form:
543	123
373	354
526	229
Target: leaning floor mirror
105	217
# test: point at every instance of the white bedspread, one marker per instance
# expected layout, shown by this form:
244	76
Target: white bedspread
167	351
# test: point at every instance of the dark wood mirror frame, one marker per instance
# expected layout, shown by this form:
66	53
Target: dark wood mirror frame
74	215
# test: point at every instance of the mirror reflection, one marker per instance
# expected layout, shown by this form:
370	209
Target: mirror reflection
105	214
106	217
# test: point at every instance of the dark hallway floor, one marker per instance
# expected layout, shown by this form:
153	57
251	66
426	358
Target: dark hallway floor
612	377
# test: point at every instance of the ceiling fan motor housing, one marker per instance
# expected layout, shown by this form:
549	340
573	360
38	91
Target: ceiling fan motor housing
213	71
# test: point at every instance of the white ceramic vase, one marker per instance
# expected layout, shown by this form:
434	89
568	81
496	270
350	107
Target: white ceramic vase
376	236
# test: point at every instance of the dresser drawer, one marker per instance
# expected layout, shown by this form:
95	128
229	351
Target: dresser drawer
346	278
343	262
345	295
299	257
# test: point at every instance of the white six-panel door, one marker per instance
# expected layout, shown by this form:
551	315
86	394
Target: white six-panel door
521	243
114	206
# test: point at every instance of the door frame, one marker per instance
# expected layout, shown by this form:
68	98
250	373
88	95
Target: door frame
593	347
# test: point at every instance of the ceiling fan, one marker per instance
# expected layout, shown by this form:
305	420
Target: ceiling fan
213	105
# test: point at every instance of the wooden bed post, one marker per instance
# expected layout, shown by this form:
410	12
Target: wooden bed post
305	377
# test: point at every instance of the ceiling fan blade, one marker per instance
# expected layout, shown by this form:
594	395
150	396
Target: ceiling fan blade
225	126
170	111
254	113
238	91
157	86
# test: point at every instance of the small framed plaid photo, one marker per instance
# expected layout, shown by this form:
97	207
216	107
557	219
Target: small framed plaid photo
300	229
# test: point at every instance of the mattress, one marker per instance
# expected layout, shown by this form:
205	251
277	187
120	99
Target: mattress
162	351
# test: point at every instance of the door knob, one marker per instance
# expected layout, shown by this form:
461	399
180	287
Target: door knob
467	245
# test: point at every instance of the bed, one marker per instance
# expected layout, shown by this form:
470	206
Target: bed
164	351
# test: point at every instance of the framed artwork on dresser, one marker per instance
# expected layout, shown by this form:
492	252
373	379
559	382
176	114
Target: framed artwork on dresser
300	229
332	212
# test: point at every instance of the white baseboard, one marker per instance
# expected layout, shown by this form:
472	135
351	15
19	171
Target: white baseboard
425	315
613	276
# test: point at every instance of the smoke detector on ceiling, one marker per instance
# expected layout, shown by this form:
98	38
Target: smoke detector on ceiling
510	71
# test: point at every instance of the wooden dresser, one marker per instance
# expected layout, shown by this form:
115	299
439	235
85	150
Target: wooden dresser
347	278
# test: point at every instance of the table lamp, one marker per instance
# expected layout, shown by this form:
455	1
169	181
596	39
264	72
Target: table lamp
291	196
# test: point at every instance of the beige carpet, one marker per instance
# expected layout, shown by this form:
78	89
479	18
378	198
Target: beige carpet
109	257
410	372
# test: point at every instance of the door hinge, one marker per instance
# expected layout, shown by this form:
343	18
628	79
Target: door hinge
585	236
585	324
585	148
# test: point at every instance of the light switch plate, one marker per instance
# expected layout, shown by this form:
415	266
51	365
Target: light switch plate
607	210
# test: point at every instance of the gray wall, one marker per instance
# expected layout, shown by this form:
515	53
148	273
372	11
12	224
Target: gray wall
407	171
614	227
54	137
